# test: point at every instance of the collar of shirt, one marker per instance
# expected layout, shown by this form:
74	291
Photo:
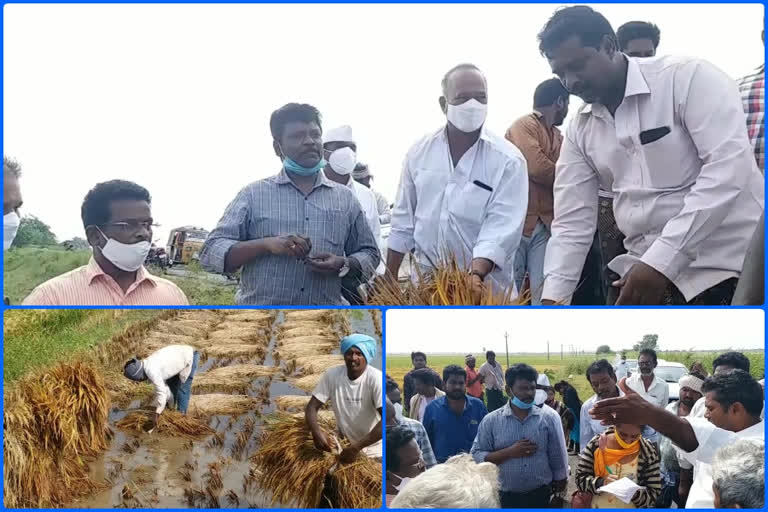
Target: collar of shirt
533	411
636	379
283	178
94	270
636	85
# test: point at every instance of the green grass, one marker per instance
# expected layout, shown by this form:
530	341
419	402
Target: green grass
33	339
570	368
28	267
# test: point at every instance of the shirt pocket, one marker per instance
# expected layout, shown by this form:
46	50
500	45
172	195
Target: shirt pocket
335	226
669	161
468	202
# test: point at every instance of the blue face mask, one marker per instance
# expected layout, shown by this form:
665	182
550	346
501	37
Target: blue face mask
520	404
295	168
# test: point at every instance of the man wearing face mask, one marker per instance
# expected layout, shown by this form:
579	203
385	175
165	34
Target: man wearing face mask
118	223
666	136
526	442
341	154
362	175
462	190
404	460
11	201
295	234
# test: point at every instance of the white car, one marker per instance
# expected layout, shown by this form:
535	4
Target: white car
671	373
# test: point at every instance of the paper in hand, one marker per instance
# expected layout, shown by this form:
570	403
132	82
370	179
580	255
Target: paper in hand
624	489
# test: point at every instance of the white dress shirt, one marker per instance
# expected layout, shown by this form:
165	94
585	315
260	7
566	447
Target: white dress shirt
163	364
368	204
710	438
475	210
657	393
687	202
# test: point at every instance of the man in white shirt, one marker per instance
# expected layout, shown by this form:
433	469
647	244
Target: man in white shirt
463	191
362	175
733	402
493	378
622	370
354	390
645	382
341	153
666	135
426	393
170	370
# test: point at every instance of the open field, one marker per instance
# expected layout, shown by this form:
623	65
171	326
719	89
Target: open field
74	426
25	268
571	368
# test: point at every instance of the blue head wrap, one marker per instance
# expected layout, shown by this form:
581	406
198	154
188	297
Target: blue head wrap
365	343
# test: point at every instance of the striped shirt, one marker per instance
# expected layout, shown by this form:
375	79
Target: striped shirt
502	428
421	439
648	472
89	285
752	88
330	216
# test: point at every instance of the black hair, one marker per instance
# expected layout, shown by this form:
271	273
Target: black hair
454	69
736	386
638	30
490	353
698	376
649	352
582	21
360	166
548	92
453	369
735	359
425	376
95	210
11	167
414	355
391	384
520	371
290	113
600	366
397	437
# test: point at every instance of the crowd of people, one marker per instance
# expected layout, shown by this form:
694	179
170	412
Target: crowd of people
682	453
652	196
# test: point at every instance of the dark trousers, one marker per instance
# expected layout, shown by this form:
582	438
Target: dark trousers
590	291
495	399
182	392
537	498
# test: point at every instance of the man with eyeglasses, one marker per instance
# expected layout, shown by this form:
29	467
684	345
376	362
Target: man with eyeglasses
118	224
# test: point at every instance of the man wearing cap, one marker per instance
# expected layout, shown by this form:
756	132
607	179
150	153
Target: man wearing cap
341	153
354	390
170	370
474	379
362	175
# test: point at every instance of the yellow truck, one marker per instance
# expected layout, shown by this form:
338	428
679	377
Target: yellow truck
185	244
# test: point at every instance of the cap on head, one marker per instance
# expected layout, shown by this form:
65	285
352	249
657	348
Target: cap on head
339	134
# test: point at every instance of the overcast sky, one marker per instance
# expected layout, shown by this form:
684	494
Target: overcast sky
177	97
469	330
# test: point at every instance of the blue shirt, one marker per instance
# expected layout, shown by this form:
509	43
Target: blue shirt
542	426
450	434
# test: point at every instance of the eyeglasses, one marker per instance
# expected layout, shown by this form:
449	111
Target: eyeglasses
132	225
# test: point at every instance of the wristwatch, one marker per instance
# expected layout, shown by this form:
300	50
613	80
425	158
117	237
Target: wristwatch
344	268
477	273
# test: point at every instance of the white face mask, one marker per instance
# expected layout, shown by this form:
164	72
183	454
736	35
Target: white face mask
540	397
11	224
127	257
467	117
403	482
343	161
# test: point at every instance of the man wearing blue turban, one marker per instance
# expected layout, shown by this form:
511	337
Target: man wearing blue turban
355	392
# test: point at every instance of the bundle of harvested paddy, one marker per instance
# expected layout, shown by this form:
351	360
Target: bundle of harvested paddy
170	339
233	378
323	415
309	340
295	352
203	315
50	422
376	318
288	464
309	314
250	316
170	423
234	350
446	285
182	327
298	324
318	363
247	334
305	331
219	403
307	383
292	402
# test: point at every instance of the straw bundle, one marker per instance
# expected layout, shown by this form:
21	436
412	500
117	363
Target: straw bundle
230	379
309	340
298	324
289	465
171	423
323	415
446	285
251	316
51	421
247	334
294	352
307	383
234	350
305	331
317	315
202	315
292	402
318	363
219	403
376	318
170	339
182	327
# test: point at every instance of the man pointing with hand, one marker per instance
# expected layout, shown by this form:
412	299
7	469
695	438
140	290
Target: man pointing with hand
295	234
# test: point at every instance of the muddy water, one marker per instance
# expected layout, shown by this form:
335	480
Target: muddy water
151	470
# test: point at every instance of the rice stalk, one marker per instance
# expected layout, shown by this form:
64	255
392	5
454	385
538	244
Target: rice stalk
251	316
235	350
246	334
222	404
183	328
307	383
316	315
292	402
376	318
171	423
319	363
305	331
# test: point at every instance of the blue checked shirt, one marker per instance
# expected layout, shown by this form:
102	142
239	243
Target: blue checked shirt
330	216
501	428
421	439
